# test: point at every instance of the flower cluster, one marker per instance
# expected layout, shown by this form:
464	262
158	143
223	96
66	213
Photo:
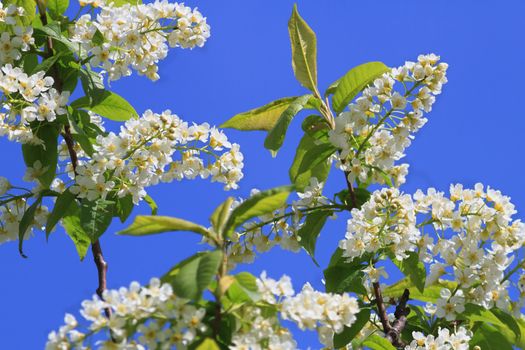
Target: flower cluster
142	154
12	212
374	134
387	222
14	39
458	340
137	36
27	98
283	226
162	320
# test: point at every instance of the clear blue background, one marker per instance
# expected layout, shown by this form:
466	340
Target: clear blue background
475	133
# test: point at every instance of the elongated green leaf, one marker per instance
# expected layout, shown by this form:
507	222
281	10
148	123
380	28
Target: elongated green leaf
507	321
375	342
109	105
118	3
208	344
192	276
262	118
345	277
92	84
46	154
221	215
262	203
80	136
152	204
431	293
311	160
95	217
275	138
349	333
243	289
46	64
354	81
57	8
413	269
304	50
150	225
504	322
26	222
124	207
489	338
62	204
310	230
74	230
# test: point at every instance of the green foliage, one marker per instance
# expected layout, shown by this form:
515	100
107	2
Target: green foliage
431	293
29	7
413	269
354	81
54	31
361	197
343	276
349	333
192	276
304	51
26	222
265	202
208	344
71	223
46	153
275	138
57	8
309	232
123	207
375	342
221	215
505	323
95	217
149	225
261	118
311	160
109	105
489	338
62	205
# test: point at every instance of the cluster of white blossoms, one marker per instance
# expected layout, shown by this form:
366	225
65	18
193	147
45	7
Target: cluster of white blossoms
374	134
277	229
328	313
142	154
474	243
136	37
14	39
12	212
387	222
446	340
142	317
27	98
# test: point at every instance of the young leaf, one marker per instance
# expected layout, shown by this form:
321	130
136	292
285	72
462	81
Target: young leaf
98	38
431	293
488	337
74	230
349	333
95	217
149	225
262	203
310	230
109	105
152	204
304	51
62	204
221	214
208	344
355	80
124	207
275	138
345	277
54	31
26	222
57	8
375	342
413	269
310	161
45	154
262	118
192	276
46	64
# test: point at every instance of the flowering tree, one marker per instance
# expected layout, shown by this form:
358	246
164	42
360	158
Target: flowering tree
463	283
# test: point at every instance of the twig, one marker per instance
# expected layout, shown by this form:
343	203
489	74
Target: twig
401	313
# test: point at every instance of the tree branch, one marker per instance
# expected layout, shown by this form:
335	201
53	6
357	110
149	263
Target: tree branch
401	313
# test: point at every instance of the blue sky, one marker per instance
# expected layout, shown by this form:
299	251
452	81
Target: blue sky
475	133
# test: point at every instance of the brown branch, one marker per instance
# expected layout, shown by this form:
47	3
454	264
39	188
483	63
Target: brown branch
102	268
401	313
351	192
381	309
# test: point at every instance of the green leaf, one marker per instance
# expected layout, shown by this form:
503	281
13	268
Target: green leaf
192	276
26	222
152	204
316	127
275	138
311	160
62	205
413	269
46	153
95	217
345	277
349	333
208	344
375	342
431	293
310	230
118	3
354	81
150	225
54	31
109	105
74	230
507	321
304	50
57	8
489	338
46	64
262	118
30	61
262	203
98	38
92	84
124	207
244	289
221	214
